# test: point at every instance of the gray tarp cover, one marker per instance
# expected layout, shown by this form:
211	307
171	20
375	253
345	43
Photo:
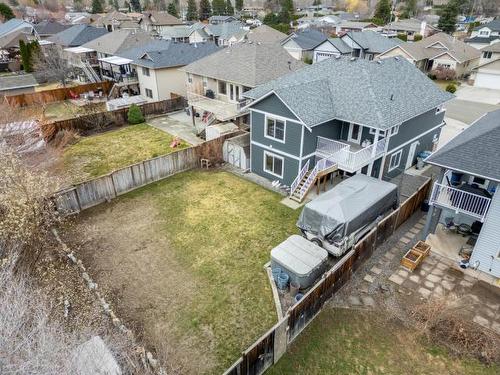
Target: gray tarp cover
349	206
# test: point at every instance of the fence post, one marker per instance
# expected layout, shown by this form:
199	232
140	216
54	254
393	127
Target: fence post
280	339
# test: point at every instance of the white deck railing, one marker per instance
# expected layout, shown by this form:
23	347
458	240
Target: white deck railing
461	201
299	177
221	109
346	159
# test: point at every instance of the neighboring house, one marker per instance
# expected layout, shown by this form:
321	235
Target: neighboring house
368	44
158	21
48	28
223	32
216	83
410	27
185	34
265	34
115	20
484	35
438	51
331	47
343	114
76	35
346	26
158	71
13	26
490	53
487	75
465	193
216	20
17	84
301	44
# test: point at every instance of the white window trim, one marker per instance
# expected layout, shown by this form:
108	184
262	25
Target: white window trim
439	109
218	88
267	153
397	153
266	117
146	72
373	131
205	82
146	92
190	78
394	130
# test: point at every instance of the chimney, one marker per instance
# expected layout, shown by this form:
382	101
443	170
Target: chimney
423	26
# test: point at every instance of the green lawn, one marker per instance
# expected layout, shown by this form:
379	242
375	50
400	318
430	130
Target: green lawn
354	342
185	259
100	154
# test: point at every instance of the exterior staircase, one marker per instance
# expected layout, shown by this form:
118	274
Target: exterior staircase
91	74
306	179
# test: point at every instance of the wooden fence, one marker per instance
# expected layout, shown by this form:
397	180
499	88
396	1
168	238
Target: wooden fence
90	122
269	348
56	95
105	188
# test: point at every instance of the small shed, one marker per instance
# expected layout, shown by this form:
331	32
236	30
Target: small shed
218	130
302	260
236	151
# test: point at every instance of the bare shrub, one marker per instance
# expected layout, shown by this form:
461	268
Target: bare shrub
64	138
27	213
441	323
444	73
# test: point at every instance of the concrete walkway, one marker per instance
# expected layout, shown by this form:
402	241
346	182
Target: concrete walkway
171	124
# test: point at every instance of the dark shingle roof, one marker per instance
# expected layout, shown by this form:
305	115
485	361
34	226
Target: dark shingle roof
493	25
378	94
475	150
373	42
482	39
77	35
13	25
341	46
119	40
139	50
50	27
308	39
176	54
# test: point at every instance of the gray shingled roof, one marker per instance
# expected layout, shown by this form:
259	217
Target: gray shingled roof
340	45
378	94
77	35
17	81
246	63
50	27
13	25
119	40
265	34
224	30
139	50
176	54
307	39
373	42
493	25
482	39
495	47
475	150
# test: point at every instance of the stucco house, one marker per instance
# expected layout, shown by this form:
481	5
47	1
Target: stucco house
464	214
330	118
410	28
368	44
194	33
332	47
216	84
484	35
487	74
437	51
158	71
156	20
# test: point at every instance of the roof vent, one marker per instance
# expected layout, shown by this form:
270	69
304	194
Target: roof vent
379	62
337	57
396	58
353	58
392	97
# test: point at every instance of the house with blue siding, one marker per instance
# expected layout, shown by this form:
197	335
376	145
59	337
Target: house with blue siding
464	217
343	115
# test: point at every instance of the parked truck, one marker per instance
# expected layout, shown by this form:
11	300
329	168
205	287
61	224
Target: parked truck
339	218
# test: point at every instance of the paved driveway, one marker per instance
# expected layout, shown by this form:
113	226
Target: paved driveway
467	111
478	94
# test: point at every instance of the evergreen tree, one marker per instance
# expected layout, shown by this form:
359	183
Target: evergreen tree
28	52
147	5
239	5
448	17
383	12
317	2
172	9
97	6
6	12
288	6
410	9
115	4
135	5
218	7
229	8
192	11
205	10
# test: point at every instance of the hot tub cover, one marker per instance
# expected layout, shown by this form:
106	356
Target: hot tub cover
349	206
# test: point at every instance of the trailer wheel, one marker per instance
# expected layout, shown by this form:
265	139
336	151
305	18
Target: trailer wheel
317	241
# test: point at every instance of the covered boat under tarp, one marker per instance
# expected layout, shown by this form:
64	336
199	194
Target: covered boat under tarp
351	205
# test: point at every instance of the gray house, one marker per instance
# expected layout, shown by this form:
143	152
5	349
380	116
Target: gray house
343	114
464	215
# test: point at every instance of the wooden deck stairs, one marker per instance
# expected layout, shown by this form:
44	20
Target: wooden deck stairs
308	180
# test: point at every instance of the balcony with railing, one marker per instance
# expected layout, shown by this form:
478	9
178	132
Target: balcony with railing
222	110
460	201
346	156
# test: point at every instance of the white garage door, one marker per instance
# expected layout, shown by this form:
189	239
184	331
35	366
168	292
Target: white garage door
487	80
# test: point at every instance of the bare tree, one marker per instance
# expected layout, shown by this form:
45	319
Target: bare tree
52	65
27	213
